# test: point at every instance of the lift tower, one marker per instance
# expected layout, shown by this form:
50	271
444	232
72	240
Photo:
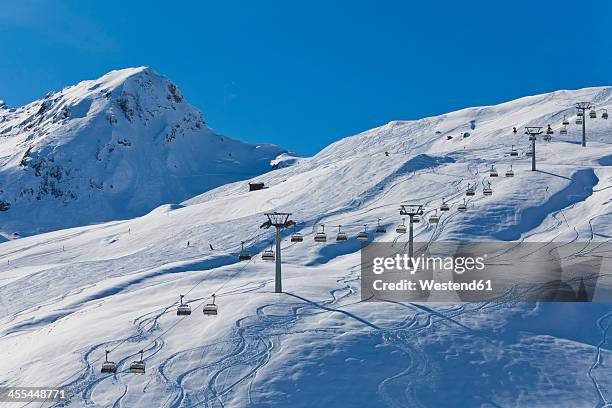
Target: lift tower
412	211
279	220
533	131
584	106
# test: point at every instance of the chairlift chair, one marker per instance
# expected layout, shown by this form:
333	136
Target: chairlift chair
547	138
565	121
563	130
444	206
550	131
401	229
321	236
579	121
487	190
513	152
528	153
244	253
416	218
268	255
579	114
493	172
210	309
470	191
462	207
138	366
183	310
363	235
108	366
341	237
296	236
434	219
592	114
510	172
380	229
604	114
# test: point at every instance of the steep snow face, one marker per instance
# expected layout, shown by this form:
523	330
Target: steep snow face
111	148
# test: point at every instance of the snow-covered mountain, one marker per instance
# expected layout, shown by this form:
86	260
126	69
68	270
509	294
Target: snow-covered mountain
112	148
68	295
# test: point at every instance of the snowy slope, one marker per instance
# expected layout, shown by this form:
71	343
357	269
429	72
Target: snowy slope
112	148
69	295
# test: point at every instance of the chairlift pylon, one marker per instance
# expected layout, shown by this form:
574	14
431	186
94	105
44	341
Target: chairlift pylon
211	309
183	309
138	366
108	367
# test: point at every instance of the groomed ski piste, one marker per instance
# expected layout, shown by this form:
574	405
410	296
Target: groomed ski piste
69	295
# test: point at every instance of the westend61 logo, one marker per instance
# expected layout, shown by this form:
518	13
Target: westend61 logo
486	271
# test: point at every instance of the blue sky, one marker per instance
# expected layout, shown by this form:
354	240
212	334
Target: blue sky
303	74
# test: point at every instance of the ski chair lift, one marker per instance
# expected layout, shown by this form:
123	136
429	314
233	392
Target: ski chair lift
470	191
380	229
210	309
138	366
401	229
341	237
563	130
579	114
462	207
549	131
487	190
529	153
108	366
493	172
244	253
444	206
321	236
513	152
363	235
183	310
296	236
565	121
547	137
416	218
510	172
434	219
592	114
604	114
579	120
268	255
